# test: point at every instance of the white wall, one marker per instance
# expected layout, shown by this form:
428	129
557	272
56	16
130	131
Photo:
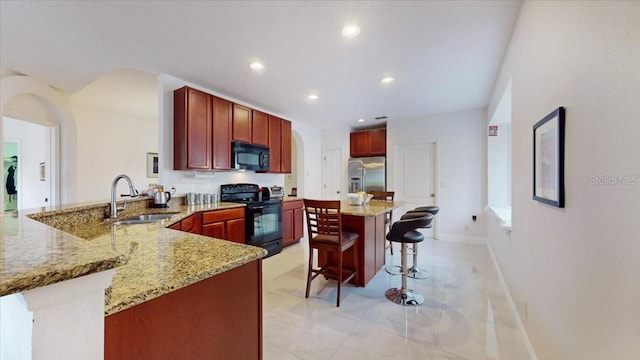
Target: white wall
188	181
461	138
34	149
577	269
112	143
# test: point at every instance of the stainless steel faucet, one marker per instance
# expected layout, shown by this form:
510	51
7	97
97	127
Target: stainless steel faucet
132	192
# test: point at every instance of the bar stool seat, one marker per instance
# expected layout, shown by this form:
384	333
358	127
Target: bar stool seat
414	271
404	232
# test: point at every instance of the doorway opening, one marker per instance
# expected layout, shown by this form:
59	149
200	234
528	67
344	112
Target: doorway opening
28	164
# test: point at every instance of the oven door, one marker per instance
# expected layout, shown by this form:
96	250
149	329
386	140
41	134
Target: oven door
264	223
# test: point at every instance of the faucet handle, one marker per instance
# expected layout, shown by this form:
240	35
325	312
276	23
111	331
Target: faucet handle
124	206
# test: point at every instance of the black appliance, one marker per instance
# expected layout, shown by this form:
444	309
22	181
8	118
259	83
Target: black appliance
263	216
249	157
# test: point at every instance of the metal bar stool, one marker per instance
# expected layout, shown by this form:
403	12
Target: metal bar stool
415	272
404	232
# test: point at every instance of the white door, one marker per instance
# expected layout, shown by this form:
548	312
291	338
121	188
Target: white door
332	174
415	178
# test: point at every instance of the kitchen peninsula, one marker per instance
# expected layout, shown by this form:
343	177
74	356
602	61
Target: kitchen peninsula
169	287
368	222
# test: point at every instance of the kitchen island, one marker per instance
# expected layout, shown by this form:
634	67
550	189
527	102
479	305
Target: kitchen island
368	222
166	283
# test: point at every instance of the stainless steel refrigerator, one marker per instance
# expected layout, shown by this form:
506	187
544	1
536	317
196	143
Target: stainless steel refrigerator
367	174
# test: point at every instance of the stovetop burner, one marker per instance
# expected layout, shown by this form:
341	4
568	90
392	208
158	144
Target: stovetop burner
244	193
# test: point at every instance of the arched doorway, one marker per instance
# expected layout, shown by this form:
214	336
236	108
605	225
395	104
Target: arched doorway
17	94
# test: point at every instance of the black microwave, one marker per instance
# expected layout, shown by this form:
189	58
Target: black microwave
249	157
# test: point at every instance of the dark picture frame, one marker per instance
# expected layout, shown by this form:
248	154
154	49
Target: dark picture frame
152	165
548	159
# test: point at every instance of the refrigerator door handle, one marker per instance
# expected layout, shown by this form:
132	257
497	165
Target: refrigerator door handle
363	183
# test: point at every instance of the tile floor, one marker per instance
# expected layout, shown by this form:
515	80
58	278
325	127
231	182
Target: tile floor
465	315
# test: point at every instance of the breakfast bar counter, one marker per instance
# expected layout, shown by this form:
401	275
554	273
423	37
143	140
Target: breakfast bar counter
368	222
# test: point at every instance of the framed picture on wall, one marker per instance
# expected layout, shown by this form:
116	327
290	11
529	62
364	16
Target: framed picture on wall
152	165
548	159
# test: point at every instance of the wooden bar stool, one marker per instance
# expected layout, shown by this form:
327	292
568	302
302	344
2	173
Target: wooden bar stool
404	232
324	224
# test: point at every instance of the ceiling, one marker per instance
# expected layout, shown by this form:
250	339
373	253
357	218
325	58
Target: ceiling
443	55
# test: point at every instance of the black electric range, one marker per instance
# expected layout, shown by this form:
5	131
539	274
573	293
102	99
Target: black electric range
263	215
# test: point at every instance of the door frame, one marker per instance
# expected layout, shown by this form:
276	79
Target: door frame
436	176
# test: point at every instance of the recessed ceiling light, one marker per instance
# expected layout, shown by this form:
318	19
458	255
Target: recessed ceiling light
312	97
350	31
360	120
387	79
256	65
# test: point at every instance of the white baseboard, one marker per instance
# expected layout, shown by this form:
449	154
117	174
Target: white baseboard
475	240
512	304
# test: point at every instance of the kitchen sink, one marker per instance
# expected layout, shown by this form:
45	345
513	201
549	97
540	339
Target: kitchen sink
144	219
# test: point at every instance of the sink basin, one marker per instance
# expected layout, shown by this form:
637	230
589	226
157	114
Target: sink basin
151	217
144	219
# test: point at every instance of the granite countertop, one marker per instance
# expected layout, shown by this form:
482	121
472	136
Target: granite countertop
150	260
373	208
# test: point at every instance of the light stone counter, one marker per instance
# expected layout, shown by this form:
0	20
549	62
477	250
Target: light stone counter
373	208
151	260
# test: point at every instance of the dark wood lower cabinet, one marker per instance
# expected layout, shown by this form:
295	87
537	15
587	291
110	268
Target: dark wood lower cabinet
292	222
371	256
216	318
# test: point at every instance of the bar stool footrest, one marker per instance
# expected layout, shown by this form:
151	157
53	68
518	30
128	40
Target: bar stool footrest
393	269
418	274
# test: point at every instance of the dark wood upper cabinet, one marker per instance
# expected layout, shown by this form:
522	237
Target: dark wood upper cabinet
275	145
285	161
205	126
260	128
378	142
192	129
222	124
359	144
242	124
279	145
368	143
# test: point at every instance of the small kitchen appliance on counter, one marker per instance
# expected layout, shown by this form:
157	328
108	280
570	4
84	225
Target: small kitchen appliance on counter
277	192
161	199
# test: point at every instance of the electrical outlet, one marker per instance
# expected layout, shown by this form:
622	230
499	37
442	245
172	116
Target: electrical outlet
474	218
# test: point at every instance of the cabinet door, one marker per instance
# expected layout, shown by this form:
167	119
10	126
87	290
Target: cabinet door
298	227
378	142
260	128
287	227
192	126
275	143
359	144
192	224
241	123
236	230
285	161
216	230
222	121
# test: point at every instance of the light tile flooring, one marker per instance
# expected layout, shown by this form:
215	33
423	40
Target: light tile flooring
465	314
